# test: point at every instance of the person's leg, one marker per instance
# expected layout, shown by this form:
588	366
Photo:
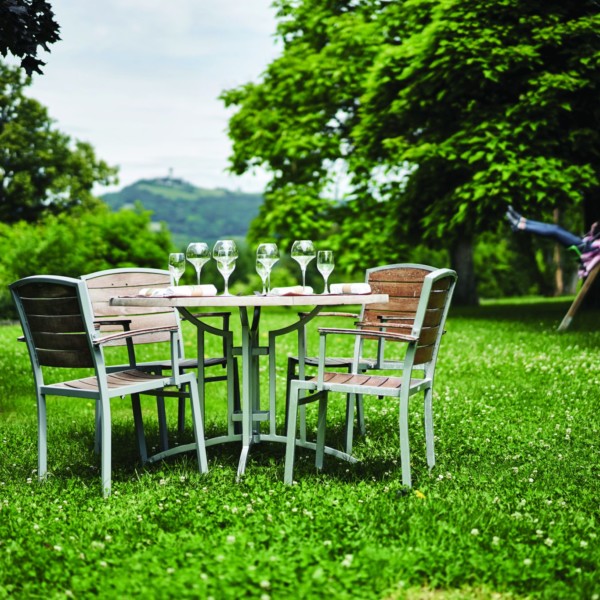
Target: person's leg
556	232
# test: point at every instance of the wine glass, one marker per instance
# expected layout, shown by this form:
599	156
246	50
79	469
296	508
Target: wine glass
176	265
267	255
198	254
325	265
225	252
263	274
303	251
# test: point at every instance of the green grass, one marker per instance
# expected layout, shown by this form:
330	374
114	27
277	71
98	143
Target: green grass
509	511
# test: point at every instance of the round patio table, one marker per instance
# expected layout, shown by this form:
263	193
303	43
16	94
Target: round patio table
250	350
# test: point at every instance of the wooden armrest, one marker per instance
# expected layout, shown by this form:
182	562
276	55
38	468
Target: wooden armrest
128	334
381	325
331	314
387	335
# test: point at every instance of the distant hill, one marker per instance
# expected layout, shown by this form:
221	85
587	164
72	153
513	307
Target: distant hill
191	213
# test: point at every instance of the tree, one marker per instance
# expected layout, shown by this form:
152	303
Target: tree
41	169
81	240
26	25
443	111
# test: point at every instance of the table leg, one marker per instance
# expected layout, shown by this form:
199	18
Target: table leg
250	384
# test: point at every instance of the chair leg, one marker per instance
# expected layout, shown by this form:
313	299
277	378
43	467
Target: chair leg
106	453
237	403
198	429
291	375
321	426
97	428
42	437
139	426
350	403
404	441
429	438
163	431
180	417
290	447
360	415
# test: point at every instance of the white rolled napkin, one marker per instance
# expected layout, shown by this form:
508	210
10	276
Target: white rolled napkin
180	290
293	290
350	288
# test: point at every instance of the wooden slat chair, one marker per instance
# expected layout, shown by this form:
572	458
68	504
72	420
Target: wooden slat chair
402	283
420	330
58	326
104	285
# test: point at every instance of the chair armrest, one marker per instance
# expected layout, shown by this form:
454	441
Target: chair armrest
128	334
386	335
383	325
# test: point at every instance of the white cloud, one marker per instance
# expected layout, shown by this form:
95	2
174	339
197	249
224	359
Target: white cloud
140	79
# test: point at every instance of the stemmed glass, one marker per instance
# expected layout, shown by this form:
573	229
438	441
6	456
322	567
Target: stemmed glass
325	265
198	254
225	252
267	255
176	265
263	274
303	251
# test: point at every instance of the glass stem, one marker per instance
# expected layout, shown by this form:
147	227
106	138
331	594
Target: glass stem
198	272
303	280
326	290
226	292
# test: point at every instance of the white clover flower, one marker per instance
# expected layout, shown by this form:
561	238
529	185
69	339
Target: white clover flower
265	584
231	539
548	542
495	540
347	562
527	562
474	531
583	544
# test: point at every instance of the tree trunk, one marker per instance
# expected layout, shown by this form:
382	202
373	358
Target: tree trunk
461	257
591	214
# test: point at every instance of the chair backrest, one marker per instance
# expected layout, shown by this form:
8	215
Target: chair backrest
56	318
104	285
419	299
403	284
432	311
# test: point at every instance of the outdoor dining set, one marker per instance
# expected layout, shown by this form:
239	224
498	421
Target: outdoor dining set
69	322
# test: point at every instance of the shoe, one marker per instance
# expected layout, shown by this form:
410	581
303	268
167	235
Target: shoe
514	213
513	218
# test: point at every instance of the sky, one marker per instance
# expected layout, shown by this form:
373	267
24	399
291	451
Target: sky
140	79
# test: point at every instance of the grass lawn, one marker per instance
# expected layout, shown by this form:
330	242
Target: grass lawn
510	510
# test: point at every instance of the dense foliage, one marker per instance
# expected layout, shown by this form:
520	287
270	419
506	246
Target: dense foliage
25	26
77	242
42	170
509	512
440	113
